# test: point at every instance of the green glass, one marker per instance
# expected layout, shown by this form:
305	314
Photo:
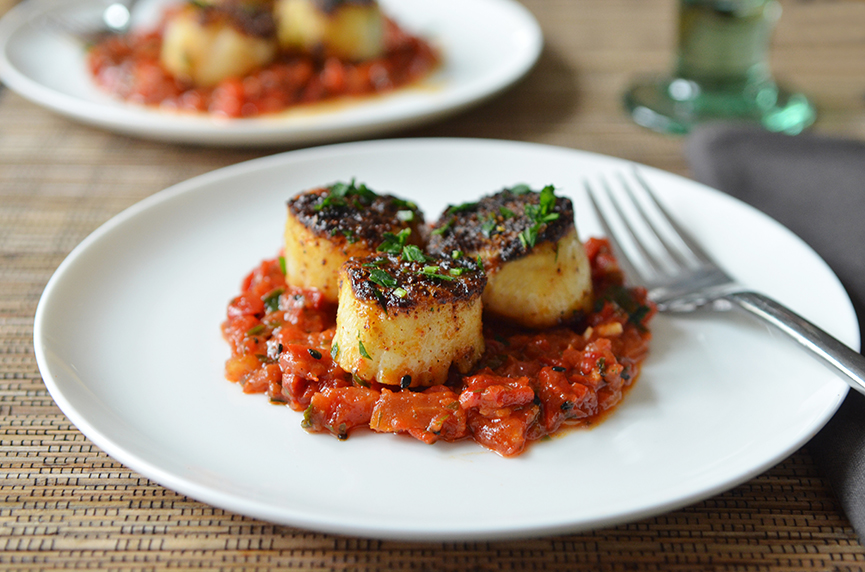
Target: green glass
722	72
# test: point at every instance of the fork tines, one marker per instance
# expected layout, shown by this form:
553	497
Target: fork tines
650	245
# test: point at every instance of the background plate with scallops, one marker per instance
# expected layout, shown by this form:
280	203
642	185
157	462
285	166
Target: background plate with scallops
486	46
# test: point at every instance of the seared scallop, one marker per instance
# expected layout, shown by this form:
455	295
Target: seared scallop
538	274
405	320
348	29
327	226
208	43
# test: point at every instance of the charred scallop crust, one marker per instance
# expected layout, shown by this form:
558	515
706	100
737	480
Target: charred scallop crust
355	213
396	283
328	6
250	18
505	225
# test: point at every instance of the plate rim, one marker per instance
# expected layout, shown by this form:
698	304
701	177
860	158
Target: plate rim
222	500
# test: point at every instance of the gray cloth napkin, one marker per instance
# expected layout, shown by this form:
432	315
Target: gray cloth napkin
815	186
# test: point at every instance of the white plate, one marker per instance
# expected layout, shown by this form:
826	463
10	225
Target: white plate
127	339
487	45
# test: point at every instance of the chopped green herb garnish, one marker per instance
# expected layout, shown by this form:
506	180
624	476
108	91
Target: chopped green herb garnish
382	278
462	207
412	253
520	189
400	292
405	216
548	198
636	317
271	299
529	236
457	254
362	349
457	271
307	418
444	228
488	226
381	299
625	300
540	214
282	265
393	243
339	192
433	272
359	380
334	350
507	213
378	262
255	330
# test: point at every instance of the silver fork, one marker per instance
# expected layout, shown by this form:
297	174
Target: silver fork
657	253
91	21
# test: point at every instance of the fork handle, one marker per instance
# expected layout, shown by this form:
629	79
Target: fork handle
829	349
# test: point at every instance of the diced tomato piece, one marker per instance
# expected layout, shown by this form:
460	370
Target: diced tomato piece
238	368
307	370
429	415
495	396
305	362
338	410
228	98
506	436
247	304
263	378
558	401
333	76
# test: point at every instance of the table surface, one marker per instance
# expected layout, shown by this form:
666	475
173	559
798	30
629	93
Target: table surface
66	504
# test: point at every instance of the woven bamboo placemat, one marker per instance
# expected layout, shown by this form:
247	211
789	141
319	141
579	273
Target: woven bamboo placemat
66	504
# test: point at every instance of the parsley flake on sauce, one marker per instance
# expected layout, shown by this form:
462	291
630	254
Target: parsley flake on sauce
271	299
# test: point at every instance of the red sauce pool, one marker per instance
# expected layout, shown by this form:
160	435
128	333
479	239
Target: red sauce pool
528	384
129	68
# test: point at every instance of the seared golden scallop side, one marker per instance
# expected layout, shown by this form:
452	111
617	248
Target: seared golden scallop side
327	226
538	274
348	29
208	43
405	320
